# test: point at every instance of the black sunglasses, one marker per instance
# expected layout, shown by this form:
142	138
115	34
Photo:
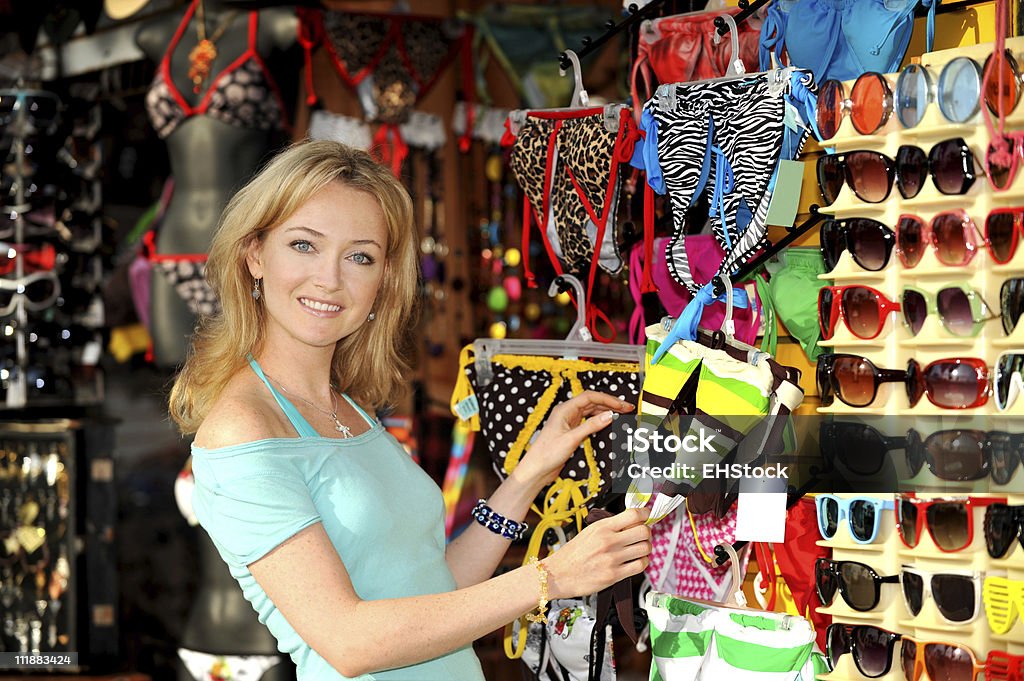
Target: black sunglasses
859	584
871	174
869	242
872	648
1003	524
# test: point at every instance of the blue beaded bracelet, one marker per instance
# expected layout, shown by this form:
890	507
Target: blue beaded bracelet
497	523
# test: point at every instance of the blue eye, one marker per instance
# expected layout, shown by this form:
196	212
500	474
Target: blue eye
302	246
363	259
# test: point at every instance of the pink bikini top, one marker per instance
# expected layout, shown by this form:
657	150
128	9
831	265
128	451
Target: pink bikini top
243	94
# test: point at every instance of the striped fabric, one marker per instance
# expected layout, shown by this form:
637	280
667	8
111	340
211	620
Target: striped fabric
722	394
696	642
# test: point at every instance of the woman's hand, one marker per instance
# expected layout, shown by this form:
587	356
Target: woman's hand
603	553
564	431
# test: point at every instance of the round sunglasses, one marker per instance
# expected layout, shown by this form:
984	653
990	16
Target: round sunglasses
869	106
956	90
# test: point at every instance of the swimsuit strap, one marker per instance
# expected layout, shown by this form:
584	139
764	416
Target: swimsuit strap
359	409
299	423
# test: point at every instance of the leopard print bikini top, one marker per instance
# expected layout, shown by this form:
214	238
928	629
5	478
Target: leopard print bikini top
242	94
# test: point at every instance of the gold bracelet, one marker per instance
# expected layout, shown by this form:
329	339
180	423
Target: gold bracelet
542	602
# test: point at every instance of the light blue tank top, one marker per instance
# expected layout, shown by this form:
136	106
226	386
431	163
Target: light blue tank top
383	514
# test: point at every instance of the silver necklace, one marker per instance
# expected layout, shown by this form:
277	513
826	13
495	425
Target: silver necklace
338	425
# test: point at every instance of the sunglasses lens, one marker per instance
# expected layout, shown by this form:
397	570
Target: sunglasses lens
951	162
870	174
861	308
830	236
912	95
870	243
915	310
913	591
871	105
855	380
959	88
861	589
830	108
910	240
908	659
1011	303
949	523
1000	530
954	596
837	643
957	454
872	650
955	310
949	663
829	519
1000	230
911	170
825	298
824	378
1000	161
908	519
830	176
859	447
914	452
954	385
862	520
949	233
1005	454
825	581
1001	69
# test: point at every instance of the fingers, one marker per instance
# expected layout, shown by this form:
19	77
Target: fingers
590	402
635	551
634	534
629	518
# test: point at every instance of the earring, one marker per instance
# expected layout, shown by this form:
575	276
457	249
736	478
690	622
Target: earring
256	289
370	317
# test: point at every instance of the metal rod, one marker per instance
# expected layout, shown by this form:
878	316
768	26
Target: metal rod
611	28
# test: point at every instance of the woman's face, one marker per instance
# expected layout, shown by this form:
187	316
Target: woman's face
322	267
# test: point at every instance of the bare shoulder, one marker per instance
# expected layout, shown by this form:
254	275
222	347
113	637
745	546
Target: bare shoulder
244	412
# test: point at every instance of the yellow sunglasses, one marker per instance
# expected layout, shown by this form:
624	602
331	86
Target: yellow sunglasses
1004	602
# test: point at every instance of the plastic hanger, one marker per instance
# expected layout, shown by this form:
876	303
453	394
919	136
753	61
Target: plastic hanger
580	100
726	334
736	67
578	343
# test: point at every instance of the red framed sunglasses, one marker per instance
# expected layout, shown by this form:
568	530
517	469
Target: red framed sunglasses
952	235
1000	666
34	257
949	520
1002	226
862	308
953	383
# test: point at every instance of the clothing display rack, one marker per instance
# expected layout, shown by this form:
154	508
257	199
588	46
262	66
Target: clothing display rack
611	29
771	250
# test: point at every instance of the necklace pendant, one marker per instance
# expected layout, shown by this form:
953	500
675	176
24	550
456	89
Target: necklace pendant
341	427
200	59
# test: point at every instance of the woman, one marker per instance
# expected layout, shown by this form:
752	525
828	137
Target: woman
334	534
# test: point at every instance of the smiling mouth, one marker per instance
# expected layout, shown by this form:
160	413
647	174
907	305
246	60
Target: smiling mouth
318	306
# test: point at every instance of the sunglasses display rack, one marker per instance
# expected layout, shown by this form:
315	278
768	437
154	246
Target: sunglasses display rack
51	311
953	231
954	578
971	300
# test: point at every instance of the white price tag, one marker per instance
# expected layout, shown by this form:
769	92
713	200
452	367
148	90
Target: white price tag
761	516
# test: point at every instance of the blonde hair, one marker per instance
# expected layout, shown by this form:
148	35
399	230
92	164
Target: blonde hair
368	364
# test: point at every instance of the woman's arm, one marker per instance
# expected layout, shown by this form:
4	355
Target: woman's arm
308	583
475	554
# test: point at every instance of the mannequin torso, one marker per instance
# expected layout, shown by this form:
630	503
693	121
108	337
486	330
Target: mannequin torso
209	158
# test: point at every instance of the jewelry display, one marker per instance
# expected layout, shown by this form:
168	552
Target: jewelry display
202	55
